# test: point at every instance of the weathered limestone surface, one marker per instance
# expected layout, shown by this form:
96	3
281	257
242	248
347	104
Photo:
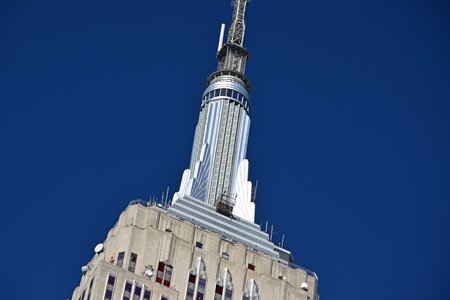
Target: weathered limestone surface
155	236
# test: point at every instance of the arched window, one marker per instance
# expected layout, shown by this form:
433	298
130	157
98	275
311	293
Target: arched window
197	281
224	286
251	291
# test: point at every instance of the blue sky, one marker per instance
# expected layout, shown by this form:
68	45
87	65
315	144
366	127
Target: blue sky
349	137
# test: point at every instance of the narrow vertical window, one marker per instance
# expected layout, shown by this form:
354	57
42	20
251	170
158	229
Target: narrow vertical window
90	289
197	281
147	294
201	289
224	286
160	273
120	258
235	94
127	291
228	294
109	287
168	276
191	287
137	292
218	293
82	295
132	264
223	92
229	92
216	93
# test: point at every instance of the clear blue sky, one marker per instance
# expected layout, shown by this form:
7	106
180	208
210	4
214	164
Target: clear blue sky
349	139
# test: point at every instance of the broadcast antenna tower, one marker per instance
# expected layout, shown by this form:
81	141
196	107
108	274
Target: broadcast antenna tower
218	166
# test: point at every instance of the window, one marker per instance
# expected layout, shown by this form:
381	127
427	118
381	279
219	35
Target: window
191	287
223	92
147	294
137	292
251	267
218	293
216	93
109	287
127	291
90	289
164	298
201	289
229	92
132	264
196	281
199	245
235	94
224	286
82	295
164	274
120	258
251	290
228	294
225	256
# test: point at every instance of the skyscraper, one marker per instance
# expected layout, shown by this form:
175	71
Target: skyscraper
205	244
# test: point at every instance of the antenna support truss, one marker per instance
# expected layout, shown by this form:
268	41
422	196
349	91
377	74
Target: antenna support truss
233	55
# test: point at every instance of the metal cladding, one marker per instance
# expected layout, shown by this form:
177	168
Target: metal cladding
218	165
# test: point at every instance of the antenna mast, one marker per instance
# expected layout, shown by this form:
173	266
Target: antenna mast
233	55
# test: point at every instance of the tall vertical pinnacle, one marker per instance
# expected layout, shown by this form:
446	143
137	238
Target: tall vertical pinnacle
233	55
218	172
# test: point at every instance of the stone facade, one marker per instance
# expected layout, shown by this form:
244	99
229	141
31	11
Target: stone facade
147	238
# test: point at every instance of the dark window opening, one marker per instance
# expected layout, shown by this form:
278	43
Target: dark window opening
120	258
190	287
229	92
251	267
199	245
228	294
137	292
82	295
201	289
218	293
90	289
132	264
147	294
109	287
127	291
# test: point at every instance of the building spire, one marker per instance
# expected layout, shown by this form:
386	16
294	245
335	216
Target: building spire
237	30
233	55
